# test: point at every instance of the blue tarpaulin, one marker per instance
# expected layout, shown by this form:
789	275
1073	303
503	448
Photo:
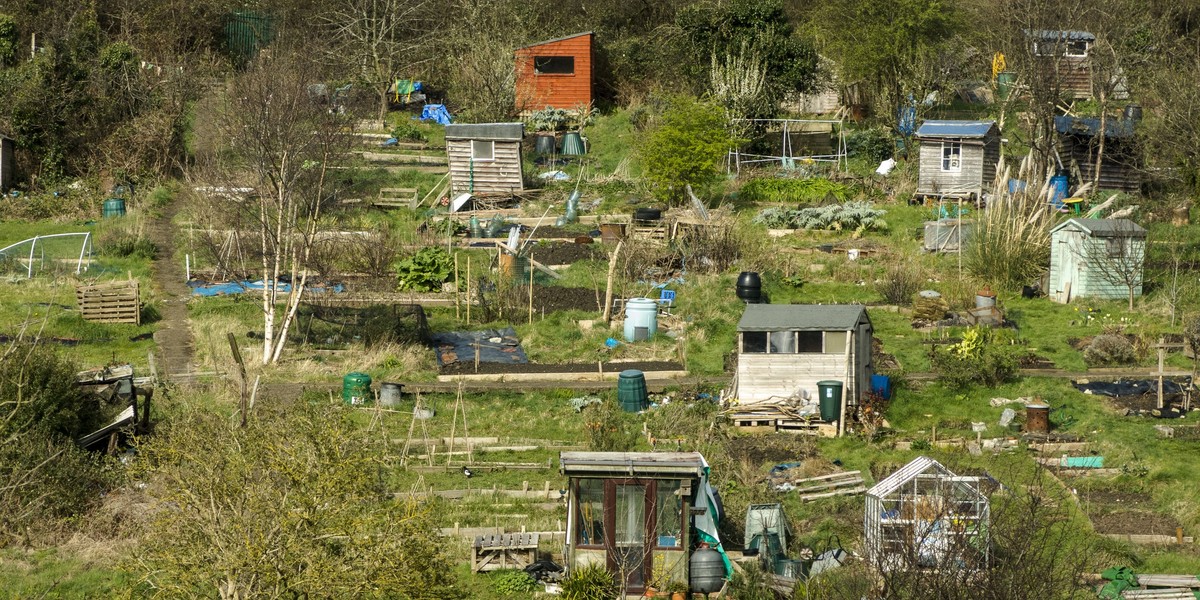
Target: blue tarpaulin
201	288
436	113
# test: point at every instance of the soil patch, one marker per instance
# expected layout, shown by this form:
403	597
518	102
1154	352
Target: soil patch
1105	499
1134	522
551	298
468	367
565	253
771	449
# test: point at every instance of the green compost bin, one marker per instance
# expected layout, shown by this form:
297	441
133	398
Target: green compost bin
830	393
356	388
113	207
631	391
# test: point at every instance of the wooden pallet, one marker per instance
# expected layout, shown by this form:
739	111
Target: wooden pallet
504	551
847	483
652	234
117	302
820	428
396	198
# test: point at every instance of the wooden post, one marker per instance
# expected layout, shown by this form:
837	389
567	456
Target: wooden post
476	355
1178	535
469	299
237	358
531	290
457	305
850	373
608	288
1162	353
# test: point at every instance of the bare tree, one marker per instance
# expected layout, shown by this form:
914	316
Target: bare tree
378	39
1117	257
280	145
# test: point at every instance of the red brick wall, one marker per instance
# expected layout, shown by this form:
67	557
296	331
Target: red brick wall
537	91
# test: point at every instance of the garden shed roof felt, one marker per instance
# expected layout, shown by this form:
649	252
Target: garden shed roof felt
486	131
558	39
957	129
1105	227
1089	127
1054	34
628	463
803	317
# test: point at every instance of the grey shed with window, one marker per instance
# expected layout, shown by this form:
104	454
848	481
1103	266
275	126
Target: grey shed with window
958	159
485	158
785	349
1096	258
6	162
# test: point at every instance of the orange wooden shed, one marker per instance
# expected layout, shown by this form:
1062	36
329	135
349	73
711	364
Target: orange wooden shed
555	73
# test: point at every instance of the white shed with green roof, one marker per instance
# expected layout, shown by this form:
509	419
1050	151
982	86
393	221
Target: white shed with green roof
785	349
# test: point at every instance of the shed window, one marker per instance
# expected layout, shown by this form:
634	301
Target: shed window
667	512
951	157
554	65
754	341
809	341
1077	48
590	519
483	150
835	342
1116	247
783	342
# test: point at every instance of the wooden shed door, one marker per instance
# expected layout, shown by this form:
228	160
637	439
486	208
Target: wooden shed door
632	527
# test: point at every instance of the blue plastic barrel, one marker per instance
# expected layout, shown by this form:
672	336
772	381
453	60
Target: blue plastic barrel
881	385
641	319
1058	190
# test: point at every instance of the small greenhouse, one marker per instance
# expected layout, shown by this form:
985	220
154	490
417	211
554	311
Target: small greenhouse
924	516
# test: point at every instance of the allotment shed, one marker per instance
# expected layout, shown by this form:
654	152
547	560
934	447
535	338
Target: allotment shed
923	516
1096	258
1064	58
1079	146
555	73
6	162
640	514
785	349
957	158
485	158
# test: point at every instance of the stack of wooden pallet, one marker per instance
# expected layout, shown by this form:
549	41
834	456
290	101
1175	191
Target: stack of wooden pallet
769	417
116	302
847	483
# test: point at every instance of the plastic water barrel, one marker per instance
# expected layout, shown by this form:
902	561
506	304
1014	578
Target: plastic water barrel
572	144
1058	190
631	390
749	287
476	228
545	143
390	394
830	393
356	388
114	207
706	571
641	319
881	385
1004	83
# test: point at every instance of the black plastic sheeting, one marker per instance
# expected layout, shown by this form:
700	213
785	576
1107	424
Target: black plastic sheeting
495	346
1140	387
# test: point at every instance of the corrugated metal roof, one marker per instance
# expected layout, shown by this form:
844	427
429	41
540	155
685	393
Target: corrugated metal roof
632	462
1052	34
959	129
1113	128
811	317
1105	227
558	39
485	131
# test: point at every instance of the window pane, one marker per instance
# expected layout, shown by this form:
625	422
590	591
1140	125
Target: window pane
554	65
951	156
667	506
783	342
631	515
590	518
835	342
809	341
754	341
483	149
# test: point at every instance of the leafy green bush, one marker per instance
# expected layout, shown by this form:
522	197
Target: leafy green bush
794	190
688	147
424	271
510	582
592	582
983	357
407	131
855	216
873	144
122	244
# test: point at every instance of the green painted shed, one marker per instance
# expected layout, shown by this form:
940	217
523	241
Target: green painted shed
1096	258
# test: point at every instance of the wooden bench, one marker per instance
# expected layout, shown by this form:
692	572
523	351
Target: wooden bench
504	551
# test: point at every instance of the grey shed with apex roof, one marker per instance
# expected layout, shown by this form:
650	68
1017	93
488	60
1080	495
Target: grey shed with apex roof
485	158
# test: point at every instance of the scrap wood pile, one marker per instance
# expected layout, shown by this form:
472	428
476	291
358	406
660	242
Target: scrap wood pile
785	478
930	308
780	415
1124	584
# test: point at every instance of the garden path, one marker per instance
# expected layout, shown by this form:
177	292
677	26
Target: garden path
173	336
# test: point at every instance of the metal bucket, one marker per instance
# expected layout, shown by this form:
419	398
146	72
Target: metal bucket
390	394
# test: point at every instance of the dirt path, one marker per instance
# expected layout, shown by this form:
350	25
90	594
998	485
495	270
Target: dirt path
174	336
